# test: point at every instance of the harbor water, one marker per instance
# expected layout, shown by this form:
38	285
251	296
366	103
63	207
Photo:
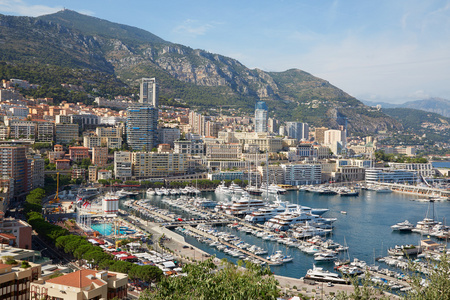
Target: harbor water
365	227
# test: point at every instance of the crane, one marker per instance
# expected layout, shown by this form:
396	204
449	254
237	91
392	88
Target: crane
56	198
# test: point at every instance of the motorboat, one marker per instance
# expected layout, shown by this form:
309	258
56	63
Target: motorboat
222	189
403	226
150	192
284	221
278	256
321	275
325	256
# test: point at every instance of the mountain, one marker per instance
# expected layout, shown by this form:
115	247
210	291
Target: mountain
435	105
74	41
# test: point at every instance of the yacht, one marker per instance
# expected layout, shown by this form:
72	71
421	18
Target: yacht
222	189
279	257
254	190
273	189
150	192
235	189
403	226
285	220
346	192
319	274
240	207
425	225
382	189
325	256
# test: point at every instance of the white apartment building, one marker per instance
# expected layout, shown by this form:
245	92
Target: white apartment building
122	165
298	174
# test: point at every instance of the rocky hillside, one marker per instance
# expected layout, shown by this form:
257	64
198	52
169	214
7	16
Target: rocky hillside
198	77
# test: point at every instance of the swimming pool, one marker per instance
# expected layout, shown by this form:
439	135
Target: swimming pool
107	229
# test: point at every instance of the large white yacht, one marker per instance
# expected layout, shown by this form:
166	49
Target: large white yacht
273	189
266	213
319	274
222	189
244	205
284	221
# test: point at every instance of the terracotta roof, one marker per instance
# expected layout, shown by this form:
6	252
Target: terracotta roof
3	266
8	236
78	279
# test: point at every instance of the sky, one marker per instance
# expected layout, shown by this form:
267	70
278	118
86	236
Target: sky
385	50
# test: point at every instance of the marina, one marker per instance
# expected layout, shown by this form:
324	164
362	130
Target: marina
365	227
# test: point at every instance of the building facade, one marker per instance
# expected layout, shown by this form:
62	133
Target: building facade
142	125
149	92
297	130
261	117
299	174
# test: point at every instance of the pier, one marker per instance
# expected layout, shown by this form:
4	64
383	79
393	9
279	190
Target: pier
190	228
416	190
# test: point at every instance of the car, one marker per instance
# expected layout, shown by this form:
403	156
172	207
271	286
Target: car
185	247
329	284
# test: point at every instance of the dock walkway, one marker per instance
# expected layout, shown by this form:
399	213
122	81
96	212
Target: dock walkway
190	228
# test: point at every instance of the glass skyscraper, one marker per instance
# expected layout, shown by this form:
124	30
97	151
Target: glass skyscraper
261	116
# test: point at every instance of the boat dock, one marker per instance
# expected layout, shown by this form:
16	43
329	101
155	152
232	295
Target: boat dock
197	231
416	190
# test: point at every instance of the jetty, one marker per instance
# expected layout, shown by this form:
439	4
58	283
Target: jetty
206	235
416	190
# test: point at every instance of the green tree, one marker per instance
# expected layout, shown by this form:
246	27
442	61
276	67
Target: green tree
203	281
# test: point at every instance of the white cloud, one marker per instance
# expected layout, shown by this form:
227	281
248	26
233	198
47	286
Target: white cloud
20	7
193	28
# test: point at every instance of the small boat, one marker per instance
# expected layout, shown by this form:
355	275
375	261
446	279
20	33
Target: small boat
343	212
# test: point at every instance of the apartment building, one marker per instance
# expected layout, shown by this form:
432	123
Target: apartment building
100	156
298	174
14	164
18	229
45	131
152	164
66	133
77	154
15	281
82	284
122	165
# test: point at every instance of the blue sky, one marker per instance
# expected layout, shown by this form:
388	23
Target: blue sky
382	50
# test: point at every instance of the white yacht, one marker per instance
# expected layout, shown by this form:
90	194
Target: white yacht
222	189
325	256
273	189
266	213
403	226
425	225
279	257
244	206
382	189
319	274
150	192
284	221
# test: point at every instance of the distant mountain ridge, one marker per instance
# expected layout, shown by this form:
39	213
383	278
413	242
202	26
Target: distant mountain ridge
200	78
436	105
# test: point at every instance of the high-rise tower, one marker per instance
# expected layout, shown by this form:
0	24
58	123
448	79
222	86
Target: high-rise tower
261	116
149	91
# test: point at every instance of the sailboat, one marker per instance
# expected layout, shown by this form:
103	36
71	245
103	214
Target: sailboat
345	259
253	190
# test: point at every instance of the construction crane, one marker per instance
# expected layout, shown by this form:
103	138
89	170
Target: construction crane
56	198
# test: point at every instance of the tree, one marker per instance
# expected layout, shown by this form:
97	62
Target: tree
203	281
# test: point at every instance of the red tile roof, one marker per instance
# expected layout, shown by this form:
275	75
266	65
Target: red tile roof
78	279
